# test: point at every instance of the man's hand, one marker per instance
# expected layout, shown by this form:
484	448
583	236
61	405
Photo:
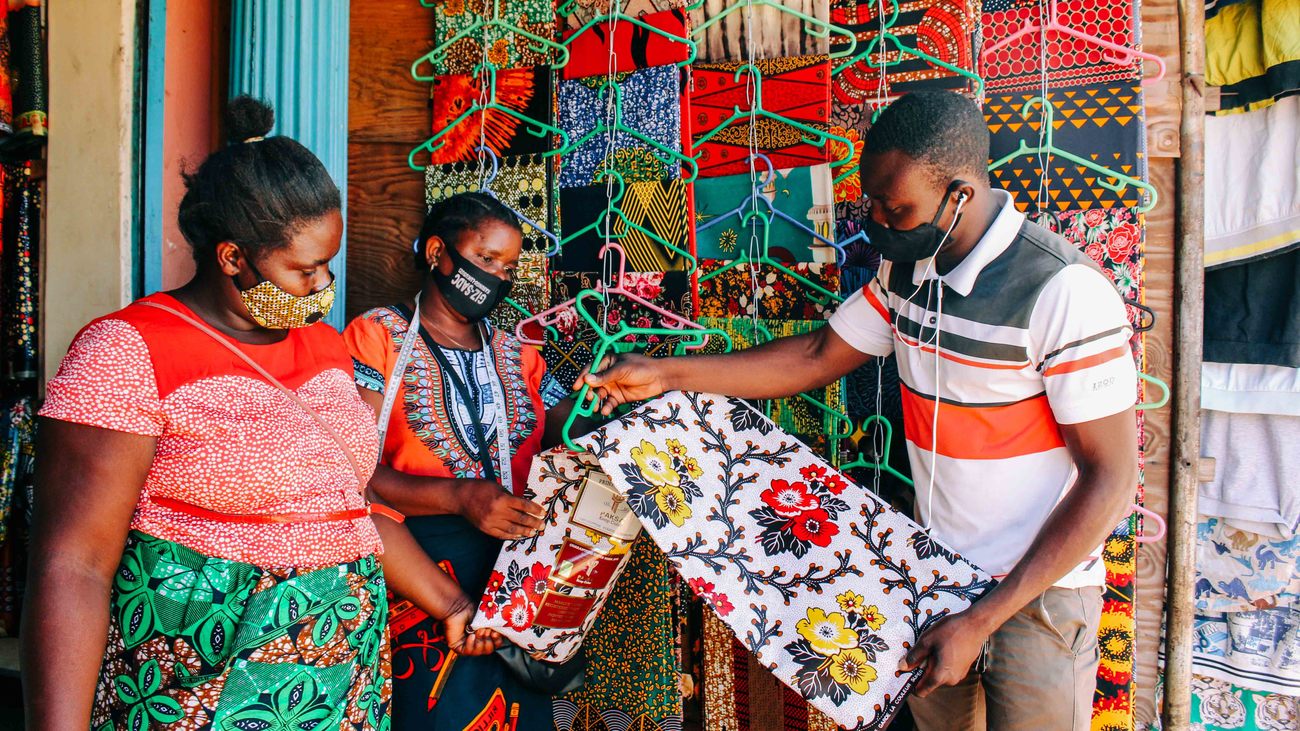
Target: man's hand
477	642
947	650
496	512
623	379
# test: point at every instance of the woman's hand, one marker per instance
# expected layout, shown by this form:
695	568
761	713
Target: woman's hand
496	512
465	641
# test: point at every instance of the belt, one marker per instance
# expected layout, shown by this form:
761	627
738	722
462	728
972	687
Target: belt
197	511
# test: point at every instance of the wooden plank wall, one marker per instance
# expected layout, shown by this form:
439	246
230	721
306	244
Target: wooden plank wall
1164	109
388	114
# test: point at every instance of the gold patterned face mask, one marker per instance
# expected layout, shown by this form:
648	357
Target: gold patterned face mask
275	309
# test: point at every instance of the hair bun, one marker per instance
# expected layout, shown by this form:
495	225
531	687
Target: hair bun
247	117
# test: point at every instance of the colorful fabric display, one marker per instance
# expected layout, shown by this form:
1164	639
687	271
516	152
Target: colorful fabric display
804	193
583	11
798	88
1257	650
726	496
1221	706
6	83
632	46
772	34
531	290
1102	123
660	206
1241	571
1021	66
523	182
1252	51
651	105
27	68
525	90
633	678
21	257
775	295
505	49
940	28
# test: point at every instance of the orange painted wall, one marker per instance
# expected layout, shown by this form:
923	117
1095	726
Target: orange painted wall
187	115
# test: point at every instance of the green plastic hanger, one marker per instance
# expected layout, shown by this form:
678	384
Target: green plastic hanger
1047	148
479	27
1164	393
815	136
843	425
568	7
634	20
813	26
618	126
881	465
903	49
629	225
534	127
765	259
586	407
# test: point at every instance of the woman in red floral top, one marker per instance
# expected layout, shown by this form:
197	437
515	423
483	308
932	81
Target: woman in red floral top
204	556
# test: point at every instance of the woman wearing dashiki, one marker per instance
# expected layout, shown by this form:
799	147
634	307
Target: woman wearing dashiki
442	461
214	431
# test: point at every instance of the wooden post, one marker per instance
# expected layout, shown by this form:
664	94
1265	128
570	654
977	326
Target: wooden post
1189	301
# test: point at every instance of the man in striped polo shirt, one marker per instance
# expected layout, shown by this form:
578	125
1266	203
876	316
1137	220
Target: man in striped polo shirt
1018	395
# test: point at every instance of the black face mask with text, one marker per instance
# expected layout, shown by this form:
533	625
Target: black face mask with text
471	291
914	244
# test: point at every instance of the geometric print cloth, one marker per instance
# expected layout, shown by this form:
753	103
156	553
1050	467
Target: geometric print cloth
827	585
1020	66
1101	123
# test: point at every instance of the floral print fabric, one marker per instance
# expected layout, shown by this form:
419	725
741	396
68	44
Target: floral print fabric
505	49
853	583
774	295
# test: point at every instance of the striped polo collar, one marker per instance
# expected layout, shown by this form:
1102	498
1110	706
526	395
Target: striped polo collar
995	240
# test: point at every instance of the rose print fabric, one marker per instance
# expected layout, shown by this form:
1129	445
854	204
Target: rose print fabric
824	583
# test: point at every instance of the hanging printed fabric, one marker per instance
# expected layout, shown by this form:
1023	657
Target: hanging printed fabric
1259	650
650	105
631	46
505	48
21	257
27	67
1221	706
942	29
739	693
1102	123
577	14
633	678
796	87
17	458
1067	61
526	91
772	34
724	494
6	83
803	193
530	289
523	182
669	290
1241	571
778	296
658	211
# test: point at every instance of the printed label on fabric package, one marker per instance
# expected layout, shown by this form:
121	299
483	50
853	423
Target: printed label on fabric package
545	591
825	583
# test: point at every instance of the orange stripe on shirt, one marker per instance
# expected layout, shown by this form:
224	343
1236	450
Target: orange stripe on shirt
875	302
982	432
1079	364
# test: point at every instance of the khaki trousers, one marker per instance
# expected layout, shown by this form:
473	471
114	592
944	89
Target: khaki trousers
1039	674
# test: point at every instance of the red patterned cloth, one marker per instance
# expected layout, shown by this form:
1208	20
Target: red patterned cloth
634	47
1069	61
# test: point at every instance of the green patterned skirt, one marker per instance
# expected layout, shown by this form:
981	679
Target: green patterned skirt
197	642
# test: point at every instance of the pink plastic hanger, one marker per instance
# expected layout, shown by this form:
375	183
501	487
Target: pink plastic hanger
669	319
1115	53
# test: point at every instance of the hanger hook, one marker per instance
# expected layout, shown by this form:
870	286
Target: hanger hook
770	171
757	76
1049	117
622	259
609	173
485	151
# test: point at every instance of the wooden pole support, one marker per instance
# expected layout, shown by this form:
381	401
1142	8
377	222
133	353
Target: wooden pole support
1189	301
